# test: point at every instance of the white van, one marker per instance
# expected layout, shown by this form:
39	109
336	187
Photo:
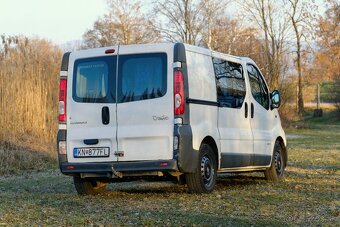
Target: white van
165	111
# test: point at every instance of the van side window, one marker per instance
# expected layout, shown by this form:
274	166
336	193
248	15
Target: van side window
258	87
231	87
142	76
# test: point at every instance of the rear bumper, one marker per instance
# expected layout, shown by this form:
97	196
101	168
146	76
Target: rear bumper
124	167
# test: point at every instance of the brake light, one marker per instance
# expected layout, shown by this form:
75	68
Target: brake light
178	92
109	51
62	100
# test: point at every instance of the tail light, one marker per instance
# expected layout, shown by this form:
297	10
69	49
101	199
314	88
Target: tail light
178	92
62	100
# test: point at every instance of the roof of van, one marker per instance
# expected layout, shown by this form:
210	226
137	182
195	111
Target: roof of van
191	48
209	52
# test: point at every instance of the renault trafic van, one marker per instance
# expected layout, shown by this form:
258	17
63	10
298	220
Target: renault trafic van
165	111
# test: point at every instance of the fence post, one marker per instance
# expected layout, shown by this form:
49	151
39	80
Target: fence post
318	110
297	99
318	98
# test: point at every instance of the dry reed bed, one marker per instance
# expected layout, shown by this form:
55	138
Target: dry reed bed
29	71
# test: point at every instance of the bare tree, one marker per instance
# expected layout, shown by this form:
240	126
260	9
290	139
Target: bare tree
124	24
271	20
180	20
213	15
301	15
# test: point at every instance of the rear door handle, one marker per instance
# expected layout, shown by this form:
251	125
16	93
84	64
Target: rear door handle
105	115
91	141
246	110
252	110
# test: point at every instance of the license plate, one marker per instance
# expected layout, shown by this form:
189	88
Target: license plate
91	152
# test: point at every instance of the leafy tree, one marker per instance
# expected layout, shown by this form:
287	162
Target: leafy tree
327	57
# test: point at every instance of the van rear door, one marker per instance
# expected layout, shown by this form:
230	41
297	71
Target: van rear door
144	102
91	107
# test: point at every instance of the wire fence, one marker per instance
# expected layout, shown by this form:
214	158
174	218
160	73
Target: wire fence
326	94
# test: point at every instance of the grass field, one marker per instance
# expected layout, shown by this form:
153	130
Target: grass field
308	196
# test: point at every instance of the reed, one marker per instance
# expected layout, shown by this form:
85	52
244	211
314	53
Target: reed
29	78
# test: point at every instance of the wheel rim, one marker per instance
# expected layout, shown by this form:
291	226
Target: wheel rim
207	171
278	162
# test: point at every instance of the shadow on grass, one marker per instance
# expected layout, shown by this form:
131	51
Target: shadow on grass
235	180
53	182
147	187
225	181
18	159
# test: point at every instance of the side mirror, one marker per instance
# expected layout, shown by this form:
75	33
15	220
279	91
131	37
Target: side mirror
275	99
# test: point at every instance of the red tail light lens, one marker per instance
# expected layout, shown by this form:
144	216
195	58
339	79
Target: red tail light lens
178	92
62	100
109	51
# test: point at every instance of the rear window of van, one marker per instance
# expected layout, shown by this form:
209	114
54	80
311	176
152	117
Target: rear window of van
94	80
140	77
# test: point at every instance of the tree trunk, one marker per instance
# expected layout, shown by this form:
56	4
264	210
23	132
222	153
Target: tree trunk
300	84
298	61
269	66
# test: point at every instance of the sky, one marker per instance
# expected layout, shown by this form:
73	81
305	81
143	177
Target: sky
59	21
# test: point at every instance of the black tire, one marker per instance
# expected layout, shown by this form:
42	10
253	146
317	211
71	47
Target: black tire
88	187
204	178
276	171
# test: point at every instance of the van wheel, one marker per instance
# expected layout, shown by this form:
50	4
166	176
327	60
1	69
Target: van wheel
204	178
88	187
276	171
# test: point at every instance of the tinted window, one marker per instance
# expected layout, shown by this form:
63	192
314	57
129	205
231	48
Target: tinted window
258	86
94	80
231	87
142	76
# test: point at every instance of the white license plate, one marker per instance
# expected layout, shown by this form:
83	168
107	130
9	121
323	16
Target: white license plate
85	152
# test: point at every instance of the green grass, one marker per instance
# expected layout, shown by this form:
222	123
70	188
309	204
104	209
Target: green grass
309	195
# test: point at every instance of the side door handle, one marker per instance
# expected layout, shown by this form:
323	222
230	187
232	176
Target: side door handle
105	115
252	110
246	110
